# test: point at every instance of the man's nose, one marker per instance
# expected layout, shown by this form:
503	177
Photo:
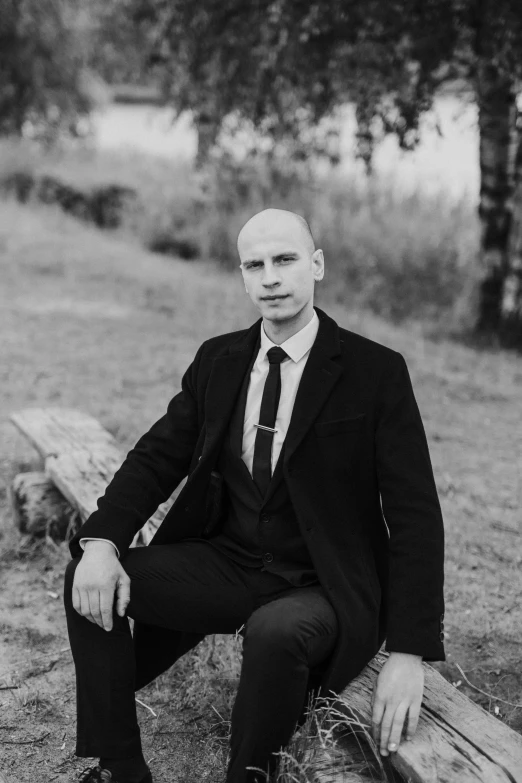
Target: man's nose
271	275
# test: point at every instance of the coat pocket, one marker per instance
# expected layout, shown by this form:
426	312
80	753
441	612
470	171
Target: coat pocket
352	424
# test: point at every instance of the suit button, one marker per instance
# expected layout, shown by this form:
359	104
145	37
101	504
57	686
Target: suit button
265	518
441	625
268	557
187	508
441	636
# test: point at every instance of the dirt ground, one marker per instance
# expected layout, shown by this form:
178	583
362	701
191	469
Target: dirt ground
91	322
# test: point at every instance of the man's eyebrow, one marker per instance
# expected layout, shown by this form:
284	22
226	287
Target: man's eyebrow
289	254
278	257
251	261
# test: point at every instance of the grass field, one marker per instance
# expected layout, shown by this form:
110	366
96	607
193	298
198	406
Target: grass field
92	321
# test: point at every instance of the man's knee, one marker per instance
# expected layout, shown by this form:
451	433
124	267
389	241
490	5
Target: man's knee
306	634
268	628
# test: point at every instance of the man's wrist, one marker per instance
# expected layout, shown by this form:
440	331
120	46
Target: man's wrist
100	546
405	656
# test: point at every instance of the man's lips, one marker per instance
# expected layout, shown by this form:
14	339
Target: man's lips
276	296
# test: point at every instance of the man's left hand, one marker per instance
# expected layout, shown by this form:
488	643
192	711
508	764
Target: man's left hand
397	694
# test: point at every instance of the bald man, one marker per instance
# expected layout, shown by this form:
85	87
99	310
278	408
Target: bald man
309	523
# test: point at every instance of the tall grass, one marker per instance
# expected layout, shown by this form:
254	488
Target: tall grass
401	255
331	745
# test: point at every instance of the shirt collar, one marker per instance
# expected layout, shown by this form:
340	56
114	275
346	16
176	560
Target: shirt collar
297	345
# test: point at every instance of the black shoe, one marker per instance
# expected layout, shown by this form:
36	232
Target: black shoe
99	775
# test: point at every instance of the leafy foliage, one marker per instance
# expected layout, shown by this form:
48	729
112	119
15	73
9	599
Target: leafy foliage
115	48
41	58
286	64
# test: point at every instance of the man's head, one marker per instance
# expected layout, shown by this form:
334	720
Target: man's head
280	264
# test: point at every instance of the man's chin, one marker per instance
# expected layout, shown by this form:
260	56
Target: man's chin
281	311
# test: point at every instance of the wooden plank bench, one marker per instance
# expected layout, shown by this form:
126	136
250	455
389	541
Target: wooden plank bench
79	457
456	740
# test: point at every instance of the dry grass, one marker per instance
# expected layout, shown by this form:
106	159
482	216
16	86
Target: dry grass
331	747
91	321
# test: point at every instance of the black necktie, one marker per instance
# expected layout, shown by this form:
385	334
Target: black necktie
262	464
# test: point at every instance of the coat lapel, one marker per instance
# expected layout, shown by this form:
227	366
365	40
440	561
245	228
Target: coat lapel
319	378
317	381
224	385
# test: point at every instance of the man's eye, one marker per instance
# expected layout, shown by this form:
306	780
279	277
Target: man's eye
253	265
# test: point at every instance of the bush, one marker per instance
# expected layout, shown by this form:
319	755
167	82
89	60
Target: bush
401	256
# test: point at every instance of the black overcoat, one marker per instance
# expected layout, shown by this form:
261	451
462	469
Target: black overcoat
358	471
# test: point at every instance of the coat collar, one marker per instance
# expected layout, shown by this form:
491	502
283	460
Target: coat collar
319	377
327	336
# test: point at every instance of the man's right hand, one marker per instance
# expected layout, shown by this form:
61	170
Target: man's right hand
99	576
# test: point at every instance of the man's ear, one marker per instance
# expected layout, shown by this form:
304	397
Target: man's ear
318	263
246	289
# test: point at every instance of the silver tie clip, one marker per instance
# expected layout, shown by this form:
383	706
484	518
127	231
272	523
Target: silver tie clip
262	427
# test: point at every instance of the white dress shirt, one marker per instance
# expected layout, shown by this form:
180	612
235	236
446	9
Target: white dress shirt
298	349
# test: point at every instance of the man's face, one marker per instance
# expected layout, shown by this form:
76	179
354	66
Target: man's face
279	271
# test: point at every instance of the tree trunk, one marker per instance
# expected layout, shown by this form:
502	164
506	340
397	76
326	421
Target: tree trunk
207	130
497	124
39	508
511	306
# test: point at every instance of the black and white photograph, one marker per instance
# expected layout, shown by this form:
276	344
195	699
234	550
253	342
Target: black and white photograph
260	391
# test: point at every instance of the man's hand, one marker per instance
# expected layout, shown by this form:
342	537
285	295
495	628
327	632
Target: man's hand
99	575
397	694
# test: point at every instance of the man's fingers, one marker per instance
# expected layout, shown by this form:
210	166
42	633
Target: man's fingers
85	610
396	727
106	607
123	592
94	604
377	713
413	719
76	602
386	724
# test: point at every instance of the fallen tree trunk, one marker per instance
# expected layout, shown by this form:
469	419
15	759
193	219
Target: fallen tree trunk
80	458
456	740
39	508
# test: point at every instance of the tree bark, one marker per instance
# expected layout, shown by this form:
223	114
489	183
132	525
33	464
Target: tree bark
39	508
207	131
511	306
497	126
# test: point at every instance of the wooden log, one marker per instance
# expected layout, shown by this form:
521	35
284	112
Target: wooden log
80	457
456	740
39	508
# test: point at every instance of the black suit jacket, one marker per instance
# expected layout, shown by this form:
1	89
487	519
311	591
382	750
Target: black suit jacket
358	471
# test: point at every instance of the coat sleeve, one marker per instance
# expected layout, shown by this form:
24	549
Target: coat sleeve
152	470
412	512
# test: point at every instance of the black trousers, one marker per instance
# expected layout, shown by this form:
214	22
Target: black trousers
192	586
